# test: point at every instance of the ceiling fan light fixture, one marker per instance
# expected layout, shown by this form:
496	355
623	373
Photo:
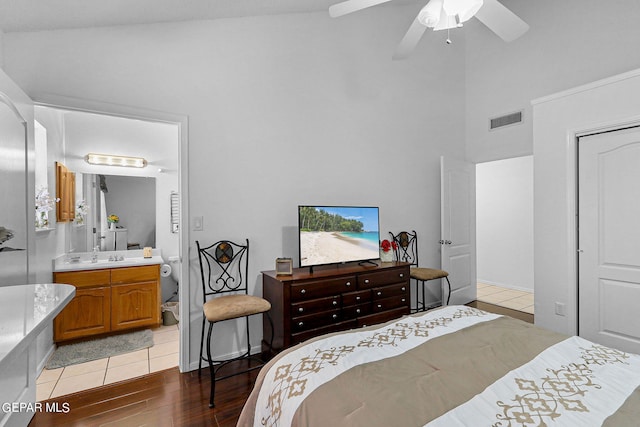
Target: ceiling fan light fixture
111	160
430	15
464	9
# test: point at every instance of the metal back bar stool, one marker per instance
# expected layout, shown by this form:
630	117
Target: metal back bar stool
407	251
224	269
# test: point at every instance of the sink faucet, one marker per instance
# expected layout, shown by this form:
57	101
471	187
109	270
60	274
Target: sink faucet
94	257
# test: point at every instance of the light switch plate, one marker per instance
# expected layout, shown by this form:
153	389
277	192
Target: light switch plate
197	223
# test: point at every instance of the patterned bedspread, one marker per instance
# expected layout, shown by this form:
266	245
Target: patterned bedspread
456	366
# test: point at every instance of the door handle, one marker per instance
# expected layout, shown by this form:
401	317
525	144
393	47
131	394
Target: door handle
444	242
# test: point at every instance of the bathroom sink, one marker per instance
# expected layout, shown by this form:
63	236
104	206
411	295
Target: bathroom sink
84	262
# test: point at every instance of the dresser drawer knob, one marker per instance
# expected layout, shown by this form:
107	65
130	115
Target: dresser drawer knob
303	291
348	283
401	275
404	300
357	311
300	323
300	309
358	298
335	316
335	302
379	293
366	281
404	289
379	305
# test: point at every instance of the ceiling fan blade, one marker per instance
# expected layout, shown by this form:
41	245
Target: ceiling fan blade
506	24
349	6
410	40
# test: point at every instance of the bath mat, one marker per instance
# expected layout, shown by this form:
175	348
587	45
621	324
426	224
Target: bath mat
100	348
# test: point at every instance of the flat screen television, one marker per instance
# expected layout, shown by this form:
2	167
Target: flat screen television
337	234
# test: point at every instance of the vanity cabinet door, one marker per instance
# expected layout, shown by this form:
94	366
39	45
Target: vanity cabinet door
134	305
88	313
135	297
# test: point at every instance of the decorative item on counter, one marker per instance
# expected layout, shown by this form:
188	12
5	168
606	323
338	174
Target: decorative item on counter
386	253
284	267
44	204
113	219
146	252
82	209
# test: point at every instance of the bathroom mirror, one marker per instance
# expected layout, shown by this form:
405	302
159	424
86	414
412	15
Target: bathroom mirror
131	198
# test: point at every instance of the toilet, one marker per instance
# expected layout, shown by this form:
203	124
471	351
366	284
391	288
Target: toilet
174	262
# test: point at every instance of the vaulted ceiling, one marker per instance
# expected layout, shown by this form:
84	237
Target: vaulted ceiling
38	15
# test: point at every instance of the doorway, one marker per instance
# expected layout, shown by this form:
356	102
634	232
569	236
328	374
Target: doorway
609	238
87	131
504	227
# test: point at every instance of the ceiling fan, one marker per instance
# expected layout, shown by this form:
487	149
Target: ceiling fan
444	15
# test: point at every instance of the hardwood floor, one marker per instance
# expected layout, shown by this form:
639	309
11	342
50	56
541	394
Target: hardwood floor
169	398
166	398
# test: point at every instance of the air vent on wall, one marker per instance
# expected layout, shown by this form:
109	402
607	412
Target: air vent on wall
506	120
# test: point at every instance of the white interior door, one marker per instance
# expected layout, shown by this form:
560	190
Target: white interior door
609	238
458	228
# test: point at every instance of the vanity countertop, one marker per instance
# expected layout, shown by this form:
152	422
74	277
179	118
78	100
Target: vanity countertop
25	310
78	261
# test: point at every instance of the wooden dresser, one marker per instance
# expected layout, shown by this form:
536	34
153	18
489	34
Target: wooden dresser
109	300
305	305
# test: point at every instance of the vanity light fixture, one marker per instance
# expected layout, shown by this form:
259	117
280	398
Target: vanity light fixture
109	160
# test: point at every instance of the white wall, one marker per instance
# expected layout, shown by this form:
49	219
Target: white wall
611	102
570	42
283	110
504	222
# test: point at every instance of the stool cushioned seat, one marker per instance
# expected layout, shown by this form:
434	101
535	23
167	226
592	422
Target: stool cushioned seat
421	273
233	306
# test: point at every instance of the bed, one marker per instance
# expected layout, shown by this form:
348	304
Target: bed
455	366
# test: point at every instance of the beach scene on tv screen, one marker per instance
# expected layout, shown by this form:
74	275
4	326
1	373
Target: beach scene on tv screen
337	234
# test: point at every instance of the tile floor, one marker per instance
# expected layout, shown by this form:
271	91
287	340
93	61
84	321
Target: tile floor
71	379
505	297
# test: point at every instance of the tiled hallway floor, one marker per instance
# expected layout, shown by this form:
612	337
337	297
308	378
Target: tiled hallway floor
74	378
505	297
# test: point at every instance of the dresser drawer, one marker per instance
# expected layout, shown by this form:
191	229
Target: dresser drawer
389	303
389	291
380	278
358	297
325	288
354	311
374	319
299	337
315	305
316	320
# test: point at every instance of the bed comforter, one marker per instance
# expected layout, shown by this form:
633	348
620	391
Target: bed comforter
456	366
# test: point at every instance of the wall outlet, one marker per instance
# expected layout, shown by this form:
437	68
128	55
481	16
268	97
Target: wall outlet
561	309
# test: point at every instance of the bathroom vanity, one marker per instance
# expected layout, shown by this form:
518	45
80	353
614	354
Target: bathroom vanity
115	292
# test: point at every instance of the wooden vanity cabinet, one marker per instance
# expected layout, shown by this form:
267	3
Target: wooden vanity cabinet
109	300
